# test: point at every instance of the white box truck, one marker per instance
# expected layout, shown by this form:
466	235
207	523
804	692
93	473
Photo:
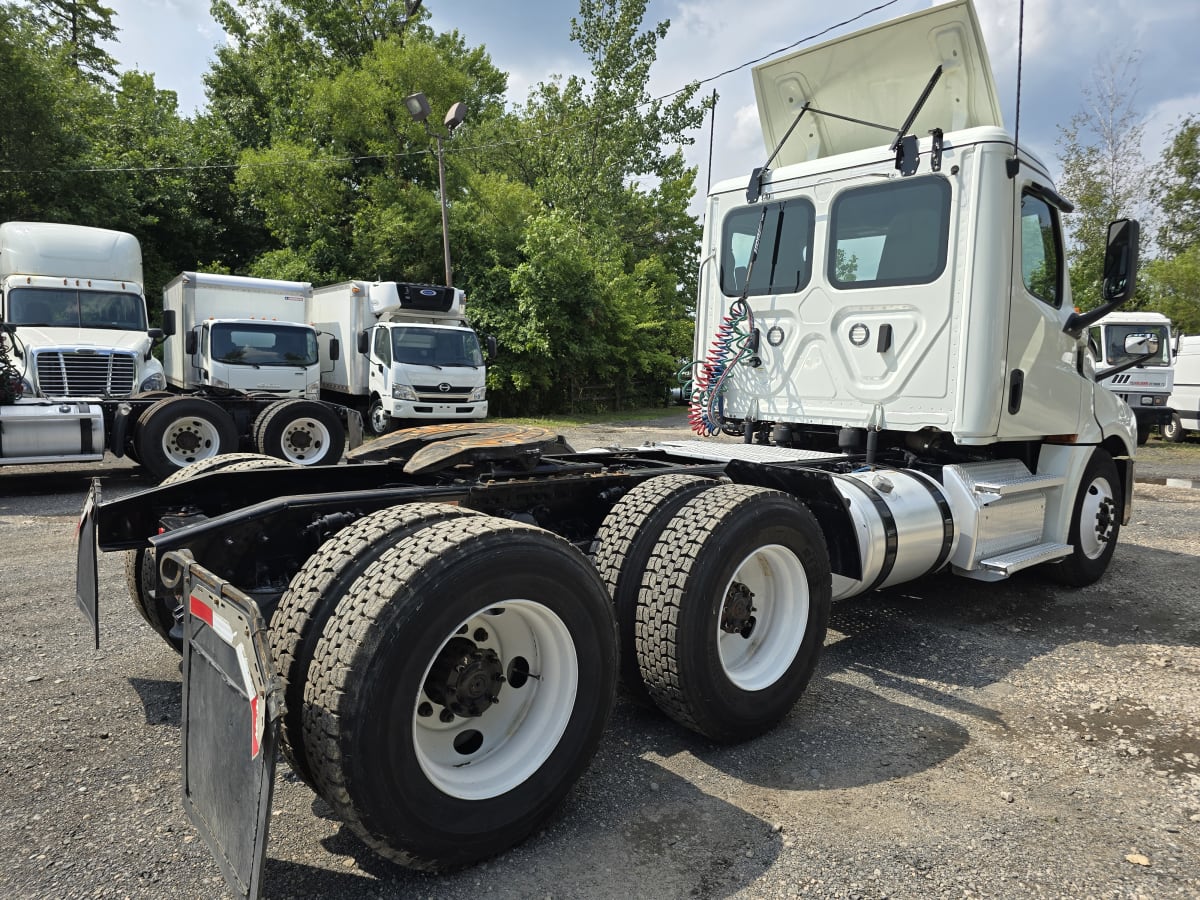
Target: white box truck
76	353
418	360
1184	401
245	334
886	320
1147	385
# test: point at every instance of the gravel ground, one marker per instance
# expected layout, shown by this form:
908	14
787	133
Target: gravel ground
960	739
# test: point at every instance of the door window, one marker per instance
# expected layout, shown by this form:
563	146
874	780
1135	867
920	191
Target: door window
383	347
1041	256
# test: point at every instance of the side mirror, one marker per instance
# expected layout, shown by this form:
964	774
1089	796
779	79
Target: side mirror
155	334
335	349
1120	275
490	340
168	325
1121	261
189	343
363	341
1142	344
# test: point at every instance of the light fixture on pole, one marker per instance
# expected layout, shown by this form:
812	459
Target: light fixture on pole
418	108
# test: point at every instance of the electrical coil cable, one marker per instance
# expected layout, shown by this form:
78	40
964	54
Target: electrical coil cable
10	376
732	342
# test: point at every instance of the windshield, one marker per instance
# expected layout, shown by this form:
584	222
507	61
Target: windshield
1114	342
268	344
436	347
71	308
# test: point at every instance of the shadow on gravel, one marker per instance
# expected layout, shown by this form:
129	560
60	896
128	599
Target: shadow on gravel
665	830
162	701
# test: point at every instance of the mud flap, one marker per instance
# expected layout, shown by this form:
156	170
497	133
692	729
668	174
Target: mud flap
232	702
87	579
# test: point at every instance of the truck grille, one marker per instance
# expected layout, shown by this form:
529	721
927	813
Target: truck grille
66	373
432	393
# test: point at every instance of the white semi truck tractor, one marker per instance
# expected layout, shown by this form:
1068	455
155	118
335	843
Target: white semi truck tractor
76	339
435	631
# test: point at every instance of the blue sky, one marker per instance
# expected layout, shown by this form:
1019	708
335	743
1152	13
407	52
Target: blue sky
1065	43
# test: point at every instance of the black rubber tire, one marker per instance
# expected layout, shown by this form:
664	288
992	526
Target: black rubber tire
370	670
1143	432
683	596
377	422
313	595
1173	431
141	576
624	543
200	421
1081	569
300	431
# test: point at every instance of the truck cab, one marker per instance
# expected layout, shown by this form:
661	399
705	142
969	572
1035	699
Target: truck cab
918	288
1147	386
242	334
74	296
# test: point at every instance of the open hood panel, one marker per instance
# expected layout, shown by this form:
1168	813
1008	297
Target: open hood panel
876	75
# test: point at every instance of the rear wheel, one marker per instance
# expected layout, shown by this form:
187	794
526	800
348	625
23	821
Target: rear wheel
460	689
300	431
1173	430
141	571
1095	523
313	594
733	610
177	431
624	543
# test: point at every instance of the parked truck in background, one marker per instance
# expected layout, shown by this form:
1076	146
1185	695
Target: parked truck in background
418	360
78	351
435	631
1147	386
1184	401
251	336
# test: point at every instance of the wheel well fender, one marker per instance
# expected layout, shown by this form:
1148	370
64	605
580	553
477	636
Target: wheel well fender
817	491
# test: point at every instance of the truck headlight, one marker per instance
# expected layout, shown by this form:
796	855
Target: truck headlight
478	394
155	382
219	383
404	392
27	388
313	390
1147	400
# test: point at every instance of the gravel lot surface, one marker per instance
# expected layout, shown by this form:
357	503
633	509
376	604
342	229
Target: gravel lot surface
960	739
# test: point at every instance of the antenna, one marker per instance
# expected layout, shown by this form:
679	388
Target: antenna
1012	166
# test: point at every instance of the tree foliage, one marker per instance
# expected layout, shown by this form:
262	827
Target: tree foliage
1100	152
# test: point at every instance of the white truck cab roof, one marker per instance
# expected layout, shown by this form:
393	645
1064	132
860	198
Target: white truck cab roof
877	75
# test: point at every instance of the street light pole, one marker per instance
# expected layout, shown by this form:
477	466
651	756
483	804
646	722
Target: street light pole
445	216
418	108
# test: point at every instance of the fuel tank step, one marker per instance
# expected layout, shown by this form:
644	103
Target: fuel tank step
1015	561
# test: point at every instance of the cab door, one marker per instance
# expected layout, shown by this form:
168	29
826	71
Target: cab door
380	372
1043	386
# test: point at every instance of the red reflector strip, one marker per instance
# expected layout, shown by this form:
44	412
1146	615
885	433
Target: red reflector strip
202	611
253	726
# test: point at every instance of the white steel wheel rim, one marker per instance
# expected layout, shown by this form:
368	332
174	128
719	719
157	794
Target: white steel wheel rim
1093	538
318	442
379	418
519	732
776	577
201	432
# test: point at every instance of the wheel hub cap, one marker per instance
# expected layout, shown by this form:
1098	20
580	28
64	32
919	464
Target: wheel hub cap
737	613
465	679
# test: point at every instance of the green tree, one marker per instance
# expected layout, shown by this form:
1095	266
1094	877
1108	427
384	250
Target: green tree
1100	149
1175	189
77	27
